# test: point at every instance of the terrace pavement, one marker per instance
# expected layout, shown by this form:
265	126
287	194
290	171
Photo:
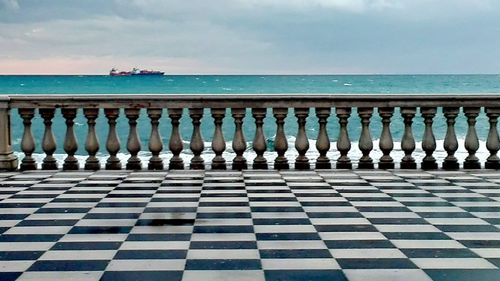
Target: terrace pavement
250	225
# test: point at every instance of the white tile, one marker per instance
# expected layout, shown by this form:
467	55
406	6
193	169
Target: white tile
223	275
406	228
291	244
155	245
79	255
299	264
223	254
427	244
352	236
458	263
146	265
61	276
366	253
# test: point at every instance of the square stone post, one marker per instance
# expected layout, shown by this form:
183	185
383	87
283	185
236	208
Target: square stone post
8	161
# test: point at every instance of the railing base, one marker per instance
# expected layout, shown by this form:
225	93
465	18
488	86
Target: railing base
429	166
366	166
492	165
408	165
386	165
8	162
451	166
472	165
346	165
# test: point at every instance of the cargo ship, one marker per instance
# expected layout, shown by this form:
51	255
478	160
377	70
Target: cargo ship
135	72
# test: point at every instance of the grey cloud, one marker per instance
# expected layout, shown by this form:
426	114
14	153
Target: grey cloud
262	36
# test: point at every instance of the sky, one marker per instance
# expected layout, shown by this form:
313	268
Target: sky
250	36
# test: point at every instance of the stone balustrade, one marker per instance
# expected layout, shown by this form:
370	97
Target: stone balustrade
132	105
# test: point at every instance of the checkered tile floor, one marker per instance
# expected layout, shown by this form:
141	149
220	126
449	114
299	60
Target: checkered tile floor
251	225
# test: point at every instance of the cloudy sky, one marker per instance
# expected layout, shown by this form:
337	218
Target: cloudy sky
250	36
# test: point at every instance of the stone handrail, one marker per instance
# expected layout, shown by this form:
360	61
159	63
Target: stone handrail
280	104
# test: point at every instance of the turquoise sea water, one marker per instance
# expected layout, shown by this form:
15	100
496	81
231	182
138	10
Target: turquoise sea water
254	84
251	84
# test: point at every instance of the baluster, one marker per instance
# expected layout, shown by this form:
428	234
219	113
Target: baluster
259	142
91	143
323	141
196	144
155	142
450	140
28	142
112	142
218	142
133	141
408	141
239	144
493	142
301	142
70	142
49	142
471	140
365	139
343	142
386	144
280	142
429	141
175	145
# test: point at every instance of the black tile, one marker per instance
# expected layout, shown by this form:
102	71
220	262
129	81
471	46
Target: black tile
159	237
286	221
86	246
397	221
428	204
9	276
30	237
223	204
47	223
111	216
69	265
303	275
416	236
21	205
358	244
163	222
150	254
170	210
76	200
121	204
223	264
19	255
468	228
298	253
100	229
223	215
464	274
61	210
13	216
445	215
334	215
375	263
346	228
439	253
224	229
223	245
383	209
277	209
288	236
142	276
480	243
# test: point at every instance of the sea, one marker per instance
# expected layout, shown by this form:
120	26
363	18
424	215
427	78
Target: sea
264	85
